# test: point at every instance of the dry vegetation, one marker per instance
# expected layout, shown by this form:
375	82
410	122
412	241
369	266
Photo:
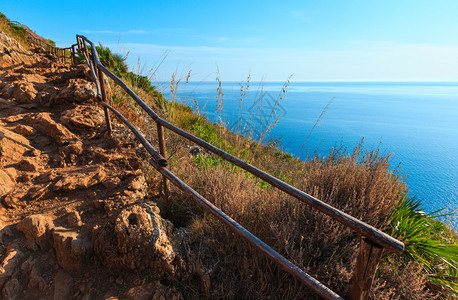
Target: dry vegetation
358	182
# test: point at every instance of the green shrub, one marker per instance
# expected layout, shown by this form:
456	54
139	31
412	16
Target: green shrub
428	242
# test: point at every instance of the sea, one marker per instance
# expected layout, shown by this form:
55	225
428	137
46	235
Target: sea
417	122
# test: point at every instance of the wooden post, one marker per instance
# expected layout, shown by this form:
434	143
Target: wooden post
369	256
73	55
162	151
104	99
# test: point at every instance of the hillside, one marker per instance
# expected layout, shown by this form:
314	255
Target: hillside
82	214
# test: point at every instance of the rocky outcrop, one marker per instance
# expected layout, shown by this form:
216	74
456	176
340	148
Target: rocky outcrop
76	220
12	53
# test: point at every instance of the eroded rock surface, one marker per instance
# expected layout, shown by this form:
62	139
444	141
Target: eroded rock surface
76	220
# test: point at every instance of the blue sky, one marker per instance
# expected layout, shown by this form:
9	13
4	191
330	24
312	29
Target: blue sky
316	40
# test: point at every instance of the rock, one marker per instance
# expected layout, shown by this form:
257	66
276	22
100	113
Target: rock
12	146
153	290
137	183
195	150
29	176
9	264
12	290
73	148
111	182
79	178
44	123
38	192
83	116
72	248
29	164
34	279
12	57
37	230
7	184
142	239
74	219
63	283
76	90
143	292
15	199
24	92
12	173
24	130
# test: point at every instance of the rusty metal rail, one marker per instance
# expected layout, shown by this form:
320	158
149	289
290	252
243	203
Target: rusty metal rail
372	244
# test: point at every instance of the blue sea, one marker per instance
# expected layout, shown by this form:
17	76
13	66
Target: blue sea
415	121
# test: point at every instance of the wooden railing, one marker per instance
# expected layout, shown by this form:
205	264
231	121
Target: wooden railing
64	55
373	241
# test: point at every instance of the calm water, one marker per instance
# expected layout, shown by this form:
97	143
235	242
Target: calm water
417	122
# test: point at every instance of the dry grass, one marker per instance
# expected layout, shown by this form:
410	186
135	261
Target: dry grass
358	182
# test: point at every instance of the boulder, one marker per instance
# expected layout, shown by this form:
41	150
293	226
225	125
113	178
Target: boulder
37	230
142	239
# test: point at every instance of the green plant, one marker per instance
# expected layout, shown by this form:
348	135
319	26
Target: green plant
428	242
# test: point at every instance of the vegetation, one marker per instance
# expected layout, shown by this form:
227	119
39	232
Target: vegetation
356	181
17	32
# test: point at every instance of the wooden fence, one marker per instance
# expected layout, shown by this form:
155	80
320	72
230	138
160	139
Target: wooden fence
373	241
64	55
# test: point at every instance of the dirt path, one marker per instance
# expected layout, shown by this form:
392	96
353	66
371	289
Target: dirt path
76	220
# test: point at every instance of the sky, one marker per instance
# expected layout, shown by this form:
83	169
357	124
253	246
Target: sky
319	40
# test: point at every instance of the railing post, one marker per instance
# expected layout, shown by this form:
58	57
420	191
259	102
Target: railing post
104	99
73	55
162	151
369	256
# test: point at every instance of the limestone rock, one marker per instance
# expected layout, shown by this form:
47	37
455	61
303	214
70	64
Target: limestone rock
7	184
12	57
44	123
80	178
76	90
37	230
83	117
142	239
12	146
72	248
24	130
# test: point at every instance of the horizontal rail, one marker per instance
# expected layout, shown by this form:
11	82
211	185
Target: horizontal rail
376	236
362	228
285	264
157	157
